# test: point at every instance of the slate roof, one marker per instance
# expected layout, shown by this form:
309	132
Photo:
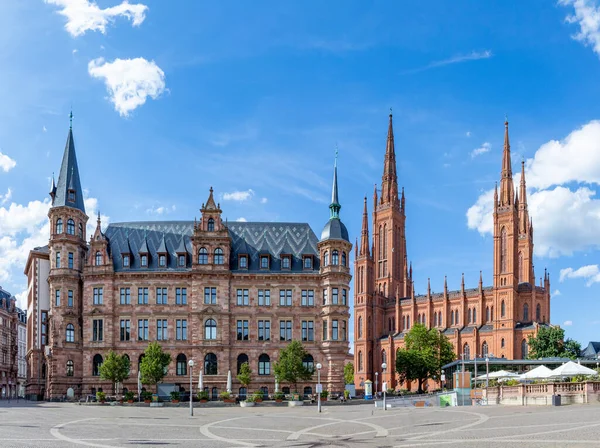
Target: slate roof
252	238
334	230
592	350
68	178
486	328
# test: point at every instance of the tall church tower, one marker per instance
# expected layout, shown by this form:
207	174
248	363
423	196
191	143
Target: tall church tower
67	248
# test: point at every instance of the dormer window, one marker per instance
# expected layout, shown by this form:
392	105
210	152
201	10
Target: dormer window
211	225
71	195
162	261
144	261
125	261
308	262
264	262
98	258
286	262
181	260
243	262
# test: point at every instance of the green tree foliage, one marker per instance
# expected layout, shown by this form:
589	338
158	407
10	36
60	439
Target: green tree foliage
115	368
289	368
245	375
154	364
424	353
349	373
550	342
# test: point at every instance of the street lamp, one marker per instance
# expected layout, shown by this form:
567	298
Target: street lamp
487	372
383	367
319	387
191	364
376	376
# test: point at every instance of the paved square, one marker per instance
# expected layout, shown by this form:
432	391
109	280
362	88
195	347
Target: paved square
71	425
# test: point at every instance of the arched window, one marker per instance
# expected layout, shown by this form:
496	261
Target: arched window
98	259
538	312
389	324
451	317
520	272
264	364
369	327
467	351
475	315
59	226
384	242
335	258
96	363
218	255
487	313
383	356
423	319
524	349
140	359
469	316
326	259
211	225
203	256
502	309
80	230
360	327
70	368
243	393
360	362
484	349
210	329
241	359
403	322
435	324
181	367
307	391
525	313
492	313
502	343
440	322
71	227
456	317
70	333
210	364
503	249
309	362
380	251
344	261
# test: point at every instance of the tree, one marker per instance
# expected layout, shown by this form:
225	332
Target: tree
290	367
154	364
115	368
550	343
245	375
349	373
424	353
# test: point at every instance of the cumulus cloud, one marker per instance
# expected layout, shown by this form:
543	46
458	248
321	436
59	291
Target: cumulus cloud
4	198
6	163
556	293
567	323
242	219
129	82
587	16
161	210
590	273
263	200
86	15
481	150
239	196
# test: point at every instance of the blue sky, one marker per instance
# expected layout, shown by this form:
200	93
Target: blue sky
252	98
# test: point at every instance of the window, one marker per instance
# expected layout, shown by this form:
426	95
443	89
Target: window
457	321
144	261
334	330
502	309
524	349
484	349
440	318
451	317
96	363
308	297
59	226
487	313
467	351
70	227
161	296
125	296
181	367
435	324
326	258
325	297
242	297
181	329
334	296
98	259
520	267
70	333
80	230
162	261
71	195
218	256
210	364
181	260
285	262
335	258
503	249
243	393
180	296
360	361
57	261
161	330
203	256
264	262
210	329
264	330
70	298
98	296
502	343
70	368
242	330
210	296
525	313
285	297
538	312
44	329
241	360
142	329
125	261
70	260
308	330
383	357
344	297
264	364
344	334
264	297
307	263
360	327
142	296
57	297
285	330
344	261
97	330
211	225
325	332
125	330
243	262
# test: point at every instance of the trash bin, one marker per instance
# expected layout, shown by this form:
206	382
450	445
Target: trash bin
556	400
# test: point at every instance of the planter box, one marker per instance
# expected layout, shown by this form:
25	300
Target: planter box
279	400
130	401
147	401
259	400
174	401
229	400
203	401
247	404
295	403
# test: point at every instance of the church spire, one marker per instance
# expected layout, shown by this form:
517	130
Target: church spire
523	213
68	192
364	236
334	207
506	181
389	180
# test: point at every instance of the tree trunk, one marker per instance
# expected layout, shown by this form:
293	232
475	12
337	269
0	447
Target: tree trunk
420	387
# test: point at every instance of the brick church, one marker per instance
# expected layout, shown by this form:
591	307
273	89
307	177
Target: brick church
219	293
485	320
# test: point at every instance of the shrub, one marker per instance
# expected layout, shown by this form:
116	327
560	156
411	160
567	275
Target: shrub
250	399
346	394
175	396
324	394
258	395
225	395
391	392
279	396
202	395
146	395
511	382
129	395
100	396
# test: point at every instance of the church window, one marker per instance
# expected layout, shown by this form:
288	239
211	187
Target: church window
360	327
475	315
487	313
384	242
492	313
383	357
524	348
360	361
503	249
484	349
404	322
71	227
538	312
457	321
435	324
59	226
525	313
470	317
380	251
424	319
467	351
502	343
520	261
408	322
502	309
440	319
211	225
451	317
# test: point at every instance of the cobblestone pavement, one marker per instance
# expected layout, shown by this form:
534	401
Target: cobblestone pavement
71	425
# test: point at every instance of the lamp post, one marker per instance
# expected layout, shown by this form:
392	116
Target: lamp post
319	387
377	376
463	377
487	372
383	367
475	374
191	364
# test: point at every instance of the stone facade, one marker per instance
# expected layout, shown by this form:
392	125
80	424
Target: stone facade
9	323
486	320
21	352
205	290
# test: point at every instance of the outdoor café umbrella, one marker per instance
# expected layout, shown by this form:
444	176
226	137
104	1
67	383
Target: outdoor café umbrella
139	384
229	381
572	369
539	372
200	383
500	374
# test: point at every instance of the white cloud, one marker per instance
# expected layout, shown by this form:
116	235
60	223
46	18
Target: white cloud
556	293
479	215
4	198
44	129
567	323
6	163
161	210
481	150
587	16
129	82
590	273
239	196
473	56
241	219
263	200
86	15
468	133
74	50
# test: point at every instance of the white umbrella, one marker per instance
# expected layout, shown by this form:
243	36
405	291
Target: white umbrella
539	372
500	374
229	381
139	383
572	369
200	382
276	385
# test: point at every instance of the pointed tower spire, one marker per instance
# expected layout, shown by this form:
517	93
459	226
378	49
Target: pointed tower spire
68	192
364	235
428	287
462	283
480	282
53	189
523	213
402	201
506	181
389	180
334	207
445	284
210	203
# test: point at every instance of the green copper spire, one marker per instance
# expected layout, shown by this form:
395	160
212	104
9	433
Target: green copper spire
335	206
